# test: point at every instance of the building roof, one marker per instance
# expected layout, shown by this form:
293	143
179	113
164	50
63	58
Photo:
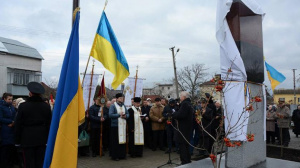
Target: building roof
17	48
207	83
286	91
165	84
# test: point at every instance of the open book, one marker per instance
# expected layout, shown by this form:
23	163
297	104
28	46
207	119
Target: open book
144	115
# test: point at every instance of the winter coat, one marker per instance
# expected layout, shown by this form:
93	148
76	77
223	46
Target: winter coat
7	116
184	116
206	122
33	122
113	114
296	120
146	124
155	115
270	124
95	120
284	110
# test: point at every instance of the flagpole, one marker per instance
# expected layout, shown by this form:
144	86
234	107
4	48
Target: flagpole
90	89
136	77
101	123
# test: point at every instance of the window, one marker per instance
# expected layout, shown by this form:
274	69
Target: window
298	99
162	88
281	99
168	88
27	79
16	78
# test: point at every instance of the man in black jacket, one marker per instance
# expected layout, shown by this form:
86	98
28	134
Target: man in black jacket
32	126
167	113
147	124
206	121
96	119
184	116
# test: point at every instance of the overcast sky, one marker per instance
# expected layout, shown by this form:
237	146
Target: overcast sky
146	30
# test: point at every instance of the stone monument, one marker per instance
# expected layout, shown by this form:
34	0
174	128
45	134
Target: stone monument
246	29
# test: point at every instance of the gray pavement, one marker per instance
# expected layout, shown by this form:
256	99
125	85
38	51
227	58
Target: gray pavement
151	159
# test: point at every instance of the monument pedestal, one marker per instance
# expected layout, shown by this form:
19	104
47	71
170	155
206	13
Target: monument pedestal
250	153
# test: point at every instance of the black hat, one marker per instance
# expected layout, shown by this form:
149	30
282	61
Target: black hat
36	88
137	99
172	101
157	99
119	95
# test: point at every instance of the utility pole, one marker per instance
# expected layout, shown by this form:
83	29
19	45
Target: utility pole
175	72
75	5
294	85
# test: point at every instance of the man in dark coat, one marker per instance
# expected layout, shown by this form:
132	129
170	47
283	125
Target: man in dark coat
96	120
135	129
32	126
184	116
147	124
106	126
296	120
167	113
7	116
206	121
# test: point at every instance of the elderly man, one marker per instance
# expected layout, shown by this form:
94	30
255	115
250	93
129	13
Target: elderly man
106	126
184	116
283	112
158	125
118	115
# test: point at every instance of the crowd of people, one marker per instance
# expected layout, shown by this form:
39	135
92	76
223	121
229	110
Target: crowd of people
273	116
160	124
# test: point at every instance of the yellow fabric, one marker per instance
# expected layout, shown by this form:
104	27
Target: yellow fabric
66	143
103	51
274	82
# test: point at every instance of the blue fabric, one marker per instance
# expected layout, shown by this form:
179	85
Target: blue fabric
274	73
68	79
106	31
113	115
7	116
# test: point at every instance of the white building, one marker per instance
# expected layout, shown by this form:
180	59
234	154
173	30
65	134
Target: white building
19	65
162	90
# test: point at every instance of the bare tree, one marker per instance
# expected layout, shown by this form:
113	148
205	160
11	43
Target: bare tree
50	87
190	77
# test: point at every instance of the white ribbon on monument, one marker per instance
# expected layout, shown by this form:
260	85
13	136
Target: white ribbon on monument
230	58
86	86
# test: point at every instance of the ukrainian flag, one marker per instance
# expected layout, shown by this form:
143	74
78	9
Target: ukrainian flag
275	77
68	111
107	50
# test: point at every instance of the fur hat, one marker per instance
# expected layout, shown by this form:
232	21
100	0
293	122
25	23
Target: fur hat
119	95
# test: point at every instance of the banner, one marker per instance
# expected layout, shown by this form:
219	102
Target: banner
129	90
86	89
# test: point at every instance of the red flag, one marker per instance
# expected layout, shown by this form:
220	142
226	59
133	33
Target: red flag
51	98
102	90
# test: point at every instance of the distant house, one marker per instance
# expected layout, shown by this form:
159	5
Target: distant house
286	95
209	87
19	65
161	90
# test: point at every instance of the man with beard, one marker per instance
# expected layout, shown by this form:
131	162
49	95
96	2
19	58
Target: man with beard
118	115
184	116
147	124
136	130
158	125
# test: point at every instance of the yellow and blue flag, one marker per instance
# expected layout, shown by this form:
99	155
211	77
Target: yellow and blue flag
68	110
107	50
275	77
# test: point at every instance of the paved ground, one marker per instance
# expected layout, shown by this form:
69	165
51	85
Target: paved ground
151	159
